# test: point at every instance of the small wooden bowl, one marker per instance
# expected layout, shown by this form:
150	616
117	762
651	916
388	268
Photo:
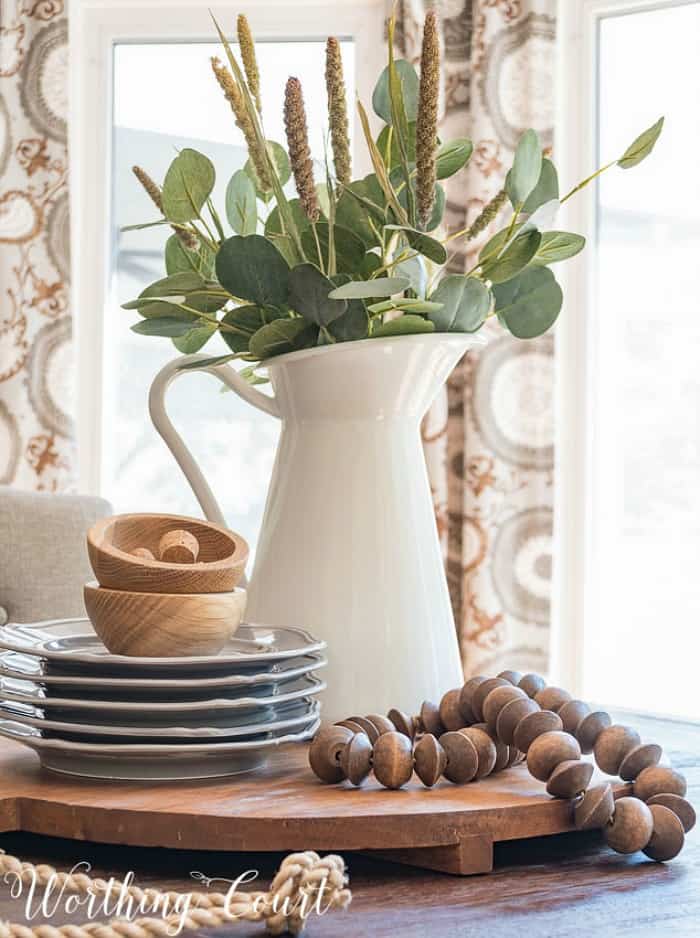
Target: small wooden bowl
163	625
220	563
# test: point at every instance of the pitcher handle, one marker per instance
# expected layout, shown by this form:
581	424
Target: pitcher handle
161	421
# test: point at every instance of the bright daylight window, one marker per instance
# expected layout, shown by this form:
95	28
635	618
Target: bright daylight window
165	98
643	587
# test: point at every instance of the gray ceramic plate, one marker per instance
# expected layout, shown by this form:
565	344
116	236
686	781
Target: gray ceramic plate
288	716
26	692
74	642
152	762
193	685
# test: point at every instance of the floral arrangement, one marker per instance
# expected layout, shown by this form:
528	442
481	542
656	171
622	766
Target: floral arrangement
351	259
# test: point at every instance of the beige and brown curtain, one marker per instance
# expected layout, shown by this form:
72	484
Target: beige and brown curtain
36	371
488	440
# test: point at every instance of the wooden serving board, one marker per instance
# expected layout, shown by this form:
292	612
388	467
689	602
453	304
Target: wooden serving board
282	807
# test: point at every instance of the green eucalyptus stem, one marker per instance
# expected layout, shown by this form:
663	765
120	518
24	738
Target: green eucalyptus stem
215	218
318	248
588	179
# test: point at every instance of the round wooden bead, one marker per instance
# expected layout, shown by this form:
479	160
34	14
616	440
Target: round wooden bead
667	837
659	780
143	552
402	722
392	759
552	698
631	826
351	725
511	715
430	719
325	750
595	808
482	692
465	698
497	700
485	749
450	712
590	728
367	727
383	724
502	751
532	684
612	745
533	725
571	713
637	759
511	676
548	750
429	759
356	758
514	756
462	757
683	809
569	778
178	547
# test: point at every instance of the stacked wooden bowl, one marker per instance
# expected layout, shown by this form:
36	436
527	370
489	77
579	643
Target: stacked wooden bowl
167	585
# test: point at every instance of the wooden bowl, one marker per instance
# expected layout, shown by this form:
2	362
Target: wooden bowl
220	563
163	625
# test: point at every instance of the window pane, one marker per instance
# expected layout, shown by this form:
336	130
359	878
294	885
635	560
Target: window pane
643	600
166	98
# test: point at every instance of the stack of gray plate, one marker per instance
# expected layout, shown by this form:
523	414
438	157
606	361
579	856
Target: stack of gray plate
88	712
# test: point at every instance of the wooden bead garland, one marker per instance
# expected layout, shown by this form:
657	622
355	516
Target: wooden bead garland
490	724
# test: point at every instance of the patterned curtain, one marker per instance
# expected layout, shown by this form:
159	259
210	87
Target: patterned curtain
488	441
36	372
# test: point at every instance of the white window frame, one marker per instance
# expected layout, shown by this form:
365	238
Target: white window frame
576	146
95	26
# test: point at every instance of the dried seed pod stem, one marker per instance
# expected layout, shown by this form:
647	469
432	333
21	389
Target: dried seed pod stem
187	238
298	145
337	111
426	123
235	98
486	215
250	62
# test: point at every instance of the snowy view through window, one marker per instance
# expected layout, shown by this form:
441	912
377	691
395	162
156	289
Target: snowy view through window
166	98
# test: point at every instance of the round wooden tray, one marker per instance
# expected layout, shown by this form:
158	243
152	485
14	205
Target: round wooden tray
282	807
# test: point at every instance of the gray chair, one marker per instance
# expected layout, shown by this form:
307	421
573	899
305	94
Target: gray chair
43	558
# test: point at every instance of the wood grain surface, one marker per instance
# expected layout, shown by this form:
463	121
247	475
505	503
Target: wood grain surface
564	885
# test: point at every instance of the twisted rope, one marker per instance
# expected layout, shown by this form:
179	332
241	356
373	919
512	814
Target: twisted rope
302	880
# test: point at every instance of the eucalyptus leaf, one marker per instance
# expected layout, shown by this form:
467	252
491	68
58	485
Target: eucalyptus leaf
408	79
163	326
391	154
543	217
352	325
178	258
438	204
403	325
195	339
405	306
414	269
529	305
309	295
525	171
360	209
368	289
514	258
187	185
241	204
558	246
465	304
278	337
452	156
246	320
370	263
423	243
547	187
252	268
349	248
207	363
279	158
641	148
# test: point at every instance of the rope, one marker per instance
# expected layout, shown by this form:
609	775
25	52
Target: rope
303	882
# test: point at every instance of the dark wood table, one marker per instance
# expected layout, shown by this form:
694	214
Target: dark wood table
566	885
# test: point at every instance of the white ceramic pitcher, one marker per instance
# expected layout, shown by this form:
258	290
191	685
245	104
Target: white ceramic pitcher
349	546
